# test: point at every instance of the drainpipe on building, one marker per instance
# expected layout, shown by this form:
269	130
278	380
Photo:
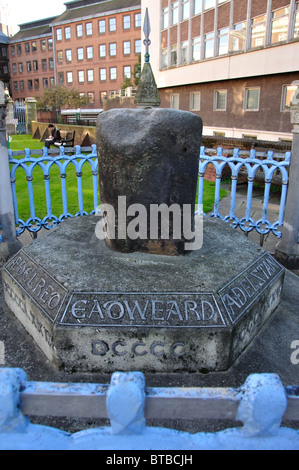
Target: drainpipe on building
287	250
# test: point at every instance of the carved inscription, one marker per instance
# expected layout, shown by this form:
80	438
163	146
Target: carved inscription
139	349
248	286
143	309
38	284
30	317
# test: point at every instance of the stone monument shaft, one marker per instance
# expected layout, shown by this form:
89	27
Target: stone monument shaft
149	157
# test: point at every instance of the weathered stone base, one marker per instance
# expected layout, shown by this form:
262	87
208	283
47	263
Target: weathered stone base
89	308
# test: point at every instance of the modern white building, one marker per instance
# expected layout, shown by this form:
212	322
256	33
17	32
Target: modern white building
234	62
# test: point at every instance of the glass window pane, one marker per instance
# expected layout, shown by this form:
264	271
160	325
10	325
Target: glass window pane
237	40
280	25
252	99
209	45
258	31
196	48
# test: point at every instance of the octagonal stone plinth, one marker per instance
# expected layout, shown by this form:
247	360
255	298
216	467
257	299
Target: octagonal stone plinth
89	308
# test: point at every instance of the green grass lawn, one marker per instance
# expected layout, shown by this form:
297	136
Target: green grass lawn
20	142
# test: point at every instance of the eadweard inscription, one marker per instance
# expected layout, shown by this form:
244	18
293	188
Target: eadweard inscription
143	309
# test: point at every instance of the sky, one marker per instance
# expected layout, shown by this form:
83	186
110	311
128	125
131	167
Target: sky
24	11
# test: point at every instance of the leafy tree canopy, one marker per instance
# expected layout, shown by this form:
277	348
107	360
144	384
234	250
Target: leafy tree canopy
58	97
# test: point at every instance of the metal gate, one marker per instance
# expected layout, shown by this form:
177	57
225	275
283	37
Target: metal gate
20	116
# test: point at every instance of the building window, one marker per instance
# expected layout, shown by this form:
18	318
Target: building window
223	35
91	97
90	75
89	52
220	99
102	26
52	81
50	44
20	67
209	45
197	6
102	50
34	46
252	99
258	31
27	48
67	32
127	47
137	46
35	65
14	68
113	73
61	78
112	24
103	75
175	13
81	76
185	9
127	22
173	55
237	38
296	30
88	29
209	4
69	77
195	101
79	29
22	85
80	53
44	64
13	51
29	84
29	67
196	46
164	52
280	25
59	34
112	49
43	45
51	64
103	96
16	86
184	52
165	18
60	57
36	83
287	96
137	20
175	101
127	72
68	55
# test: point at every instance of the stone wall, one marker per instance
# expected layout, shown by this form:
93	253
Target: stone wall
84	135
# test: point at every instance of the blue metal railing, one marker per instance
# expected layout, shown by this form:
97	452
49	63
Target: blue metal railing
248	163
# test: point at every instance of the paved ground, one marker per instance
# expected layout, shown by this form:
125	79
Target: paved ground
269	352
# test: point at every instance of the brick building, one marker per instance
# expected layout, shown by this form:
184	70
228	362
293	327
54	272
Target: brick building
91	47
4	65
231	61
